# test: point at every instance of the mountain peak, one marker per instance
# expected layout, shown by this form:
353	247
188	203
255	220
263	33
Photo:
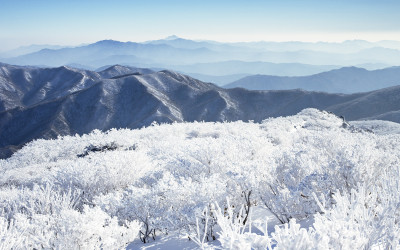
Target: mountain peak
116	66
106	42
121	71
173	74
173	37
350	69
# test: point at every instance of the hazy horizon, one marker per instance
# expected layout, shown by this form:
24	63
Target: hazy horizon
194	39
72	23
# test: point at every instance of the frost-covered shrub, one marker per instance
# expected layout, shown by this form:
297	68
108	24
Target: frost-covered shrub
166	205
358	220
92	229
236	235
319	156
232	228
36	200
363	218
45	217
162	174
346	225
10	236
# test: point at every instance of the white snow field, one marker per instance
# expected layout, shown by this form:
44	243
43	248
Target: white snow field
323	183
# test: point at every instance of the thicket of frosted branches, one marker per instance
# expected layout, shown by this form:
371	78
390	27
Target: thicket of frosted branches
103	190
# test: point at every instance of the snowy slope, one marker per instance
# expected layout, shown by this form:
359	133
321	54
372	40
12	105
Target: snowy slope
92	190
138	100
28	86
45	103
376	104
343	80
119	71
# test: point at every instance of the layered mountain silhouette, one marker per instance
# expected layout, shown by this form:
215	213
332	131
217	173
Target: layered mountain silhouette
343	80
212	60
114	52
245	67
47	102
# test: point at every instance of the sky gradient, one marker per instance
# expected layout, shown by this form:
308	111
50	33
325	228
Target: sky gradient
73	22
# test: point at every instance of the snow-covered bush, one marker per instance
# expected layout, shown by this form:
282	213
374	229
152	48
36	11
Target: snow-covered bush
92	229
358	220
232	233
318	155
165	174
46	217
11	237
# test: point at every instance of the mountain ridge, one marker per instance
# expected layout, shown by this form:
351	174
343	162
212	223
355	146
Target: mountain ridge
344	80
137	100
176	53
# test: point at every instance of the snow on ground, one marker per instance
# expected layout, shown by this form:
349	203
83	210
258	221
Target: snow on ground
167	242
112	190
378	127
174	241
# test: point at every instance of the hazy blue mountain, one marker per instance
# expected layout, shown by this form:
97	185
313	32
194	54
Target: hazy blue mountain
80	66
343	80
242	67
65	103
186	55
182	43
373	66
349	46
28	49
111	52
389	44
217	80
376	55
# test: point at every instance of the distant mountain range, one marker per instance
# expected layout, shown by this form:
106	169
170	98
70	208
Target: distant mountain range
343	80
250	68
47	102
214	61
27	50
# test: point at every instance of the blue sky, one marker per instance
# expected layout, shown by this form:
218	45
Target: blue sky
72	22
